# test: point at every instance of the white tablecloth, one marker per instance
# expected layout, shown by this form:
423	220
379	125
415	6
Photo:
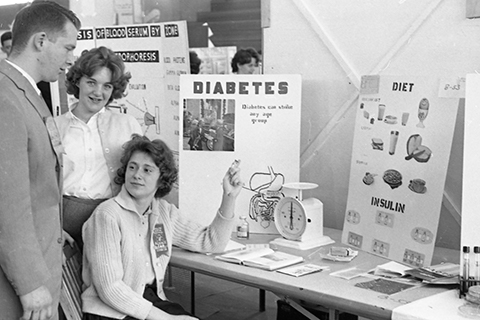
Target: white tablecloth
437	307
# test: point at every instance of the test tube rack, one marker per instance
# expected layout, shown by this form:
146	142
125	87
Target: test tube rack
464	284
466	278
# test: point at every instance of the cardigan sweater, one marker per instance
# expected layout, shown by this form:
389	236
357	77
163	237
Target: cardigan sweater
120	244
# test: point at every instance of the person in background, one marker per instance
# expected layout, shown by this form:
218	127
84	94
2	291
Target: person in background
196	135
218	144
128	239
44	36
259	64
255	55
195	63
6	40
93	135
245	61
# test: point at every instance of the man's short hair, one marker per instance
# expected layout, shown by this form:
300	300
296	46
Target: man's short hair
7	35
40	16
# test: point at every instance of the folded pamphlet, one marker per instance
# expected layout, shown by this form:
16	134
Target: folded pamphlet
303	269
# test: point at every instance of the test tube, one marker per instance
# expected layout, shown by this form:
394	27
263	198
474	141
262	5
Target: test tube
466	268
476	250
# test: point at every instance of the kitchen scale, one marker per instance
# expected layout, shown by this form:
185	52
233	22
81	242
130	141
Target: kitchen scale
300	221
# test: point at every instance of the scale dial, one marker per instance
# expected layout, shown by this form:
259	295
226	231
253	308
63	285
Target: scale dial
290	218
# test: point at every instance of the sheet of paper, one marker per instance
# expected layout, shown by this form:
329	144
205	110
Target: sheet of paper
301	270
349	273
391	269
384	286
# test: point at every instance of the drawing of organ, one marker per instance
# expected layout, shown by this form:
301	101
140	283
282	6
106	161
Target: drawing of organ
148	118
268	191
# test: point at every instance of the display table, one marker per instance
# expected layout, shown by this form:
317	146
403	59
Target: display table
321	288
444	305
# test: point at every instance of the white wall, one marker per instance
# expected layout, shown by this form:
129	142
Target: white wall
332	43
102	12
94	12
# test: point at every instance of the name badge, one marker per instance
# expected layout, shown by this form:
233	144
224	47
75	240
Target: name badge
159	240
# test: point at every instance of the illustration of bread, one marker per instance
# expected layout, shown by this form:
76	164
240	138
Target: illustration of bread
377	144
390	119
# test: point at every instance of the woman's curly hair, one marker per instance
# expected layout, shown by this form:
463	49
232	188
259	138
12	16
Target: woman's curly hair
244	56
90	62
161	155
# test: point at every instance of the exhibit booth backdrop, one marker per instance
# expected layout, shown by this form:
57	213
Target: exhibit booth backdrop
332	43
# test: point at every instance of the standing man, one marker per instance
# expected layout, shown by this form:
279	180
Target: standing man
6	40
44	37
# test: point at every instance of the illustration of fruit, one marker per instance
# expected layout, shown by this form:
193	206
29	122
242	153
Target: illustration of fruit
369	178
413	143
422	154
416	150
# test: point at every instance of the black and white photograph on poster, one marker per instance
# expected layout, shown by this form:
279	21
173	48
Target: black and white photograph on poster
209	125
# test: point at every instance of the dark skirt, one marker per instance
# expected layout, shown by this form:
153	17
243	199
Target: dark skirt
75	212
150	294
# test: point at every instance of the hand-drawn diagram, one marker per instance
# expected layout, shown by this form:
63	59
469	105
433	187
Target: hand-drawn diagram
148	118
267	194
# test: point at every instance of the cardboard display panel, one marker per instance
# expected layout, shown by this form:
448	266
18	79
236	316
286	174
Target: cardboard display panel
252	118
155	55
402	140
215	60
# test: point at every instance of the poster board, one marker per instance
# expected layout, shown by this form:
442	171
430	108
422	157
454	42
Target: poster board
215	60
156	55
402	140
260	119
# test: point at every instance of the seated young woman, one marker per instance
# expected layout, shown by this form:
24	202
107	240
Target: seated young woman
128	239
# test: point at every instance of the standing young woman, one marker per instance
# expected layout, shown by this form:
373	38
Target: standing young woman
128	239
93	135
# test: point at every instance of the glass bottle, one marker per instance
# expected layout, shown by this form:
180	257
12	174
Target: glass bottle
466	268
476	250
243	229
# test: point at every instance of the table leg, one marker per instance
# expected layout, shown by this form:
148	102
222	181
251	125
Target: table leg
261	299
192	292
301	309
333	314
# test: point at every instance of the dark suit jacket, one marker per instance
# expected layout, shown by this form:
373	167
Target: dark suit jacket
30	171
